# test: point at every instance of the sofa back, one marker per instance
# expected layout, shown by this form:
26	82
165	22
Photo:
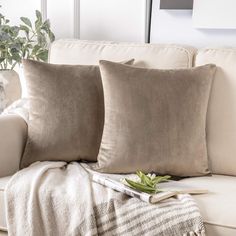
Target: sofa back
221	117
146	55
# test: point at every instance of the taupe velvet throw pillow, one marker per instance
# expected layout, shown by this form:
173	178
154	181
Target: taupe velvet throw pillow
155	120
66	112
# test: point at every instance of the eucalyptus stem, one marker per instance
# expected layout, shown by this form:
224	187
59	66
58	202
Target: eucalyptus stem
13	65
27	42
5	64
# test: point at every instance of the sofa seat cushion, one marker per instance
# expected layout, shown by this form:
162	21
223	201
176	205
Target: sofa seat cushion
3	184
218	207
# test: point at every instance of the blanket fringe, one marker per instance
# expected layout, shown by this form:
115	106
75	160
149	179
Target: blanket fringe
196	233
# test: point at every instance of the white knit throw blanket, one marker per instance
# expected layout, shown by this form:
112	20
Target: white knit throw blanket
59	199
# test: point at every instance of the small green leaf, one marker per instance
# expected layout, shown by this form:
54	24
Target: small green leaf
15	30
51	36
37	25
46	25
140	186
38	15
25	29
38	22
159	179
42	56
16	57
148	181
36	48
26	21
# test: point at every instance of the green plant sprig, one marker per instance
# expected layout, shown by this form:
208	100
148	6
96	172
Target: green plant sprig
26	41
147	183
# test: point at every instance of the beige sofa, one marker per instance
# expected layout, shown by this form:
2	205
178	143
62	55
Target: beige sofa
218	208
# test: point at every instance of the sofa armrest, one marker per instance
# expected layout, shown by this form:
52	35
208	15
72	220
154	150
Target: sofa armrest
13	134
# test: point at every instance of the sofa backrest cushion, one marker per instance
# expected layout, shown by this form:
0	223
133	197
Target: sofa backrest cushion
221	118
146	55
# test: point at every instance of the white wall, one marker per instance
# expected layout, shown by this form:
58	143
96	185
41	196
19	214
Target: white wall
99	16
61	14
115	20
14	9
176	26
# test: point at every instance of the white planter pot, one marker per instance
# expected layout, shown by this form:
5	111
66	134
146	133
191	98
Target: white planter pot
10	88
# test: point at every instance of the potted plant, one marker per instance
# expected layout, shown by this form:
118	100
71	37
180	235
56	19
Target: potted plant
26	41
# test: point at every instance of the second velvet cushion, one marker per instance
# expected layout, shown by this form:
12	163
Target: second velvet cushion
155	120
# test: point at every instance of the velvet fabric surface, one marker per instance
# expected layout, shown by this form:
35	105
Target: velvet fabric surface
155	120
66	114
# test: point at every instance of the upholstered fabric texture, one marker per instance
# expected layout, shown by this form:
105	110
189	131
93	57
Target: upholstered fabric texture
66	112
87	52
221	118
13	135
3	183
218	207
155	120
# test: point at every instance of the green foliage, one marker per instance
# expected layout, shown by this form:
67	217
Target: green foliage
26	41
147	183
